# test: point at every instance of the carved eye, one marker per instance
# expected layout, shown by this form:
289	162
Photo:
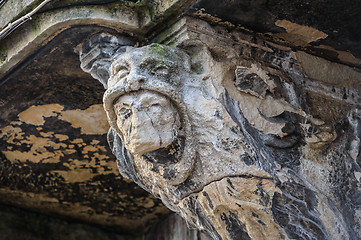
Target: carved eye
155	105
124	113
120	70
160	70
154	108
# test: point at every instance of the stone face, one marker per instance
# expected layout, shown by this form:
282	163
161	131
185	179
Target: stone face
147	69
147	121
249	158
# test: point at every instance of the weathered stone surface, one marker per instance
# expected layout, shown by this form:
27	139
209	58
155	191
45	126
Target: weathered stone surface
251	157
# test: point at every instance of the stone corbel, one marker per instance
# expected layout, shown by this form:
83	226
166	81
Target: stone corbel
219	127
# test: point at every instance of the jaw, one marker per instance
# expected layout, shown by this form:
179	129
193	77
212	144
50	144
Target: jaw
139	147
147	140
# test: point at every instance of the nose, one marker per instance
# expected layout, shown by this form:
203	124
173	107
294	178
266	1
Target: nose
139	119
135	81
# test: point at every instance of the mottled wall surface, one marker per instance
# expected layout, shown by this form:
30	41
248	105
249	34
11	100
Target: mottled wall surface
18	224
54	155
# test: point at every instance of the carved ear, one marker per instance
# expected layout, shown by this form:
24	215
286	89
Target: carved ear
97	52
199	55
203	57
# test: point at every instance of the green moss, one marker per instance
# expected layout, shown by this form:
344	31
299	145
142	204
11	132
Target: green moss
163	35
166	37
114	8
3	53
19	6
157	54
29	8
35	24
147	7
157	50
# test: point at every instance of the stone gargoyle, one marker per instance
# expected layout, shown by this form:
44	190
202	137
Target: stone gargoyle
226	144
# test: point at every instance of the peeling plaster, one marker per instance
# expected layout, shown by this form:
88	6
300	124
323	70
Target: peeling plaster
38	152
52	147
208	17
35	114
91	120
345	57
298	34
